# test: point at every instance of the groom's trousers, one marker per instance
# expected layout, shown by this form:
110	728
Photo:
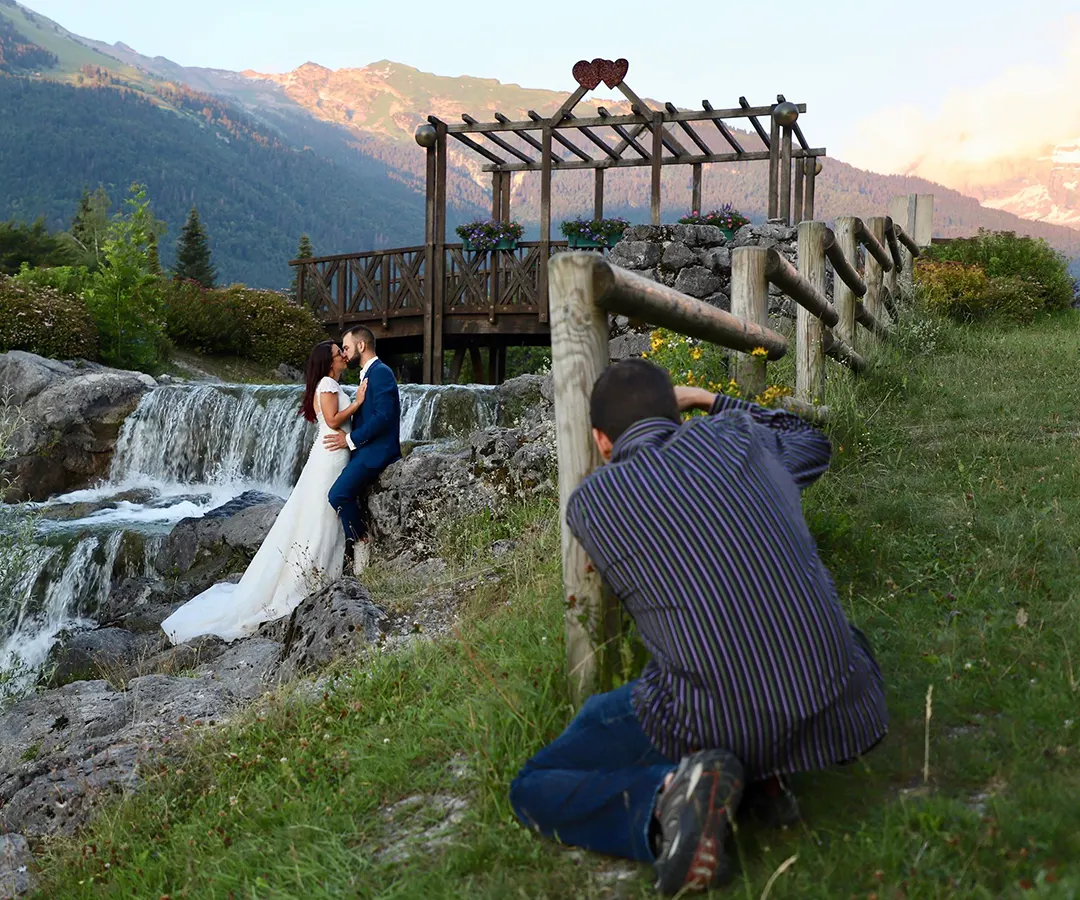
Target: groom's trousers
346	496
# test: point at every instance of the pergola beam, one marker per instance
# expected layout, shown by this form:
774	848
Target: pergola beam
690	132
469	142
499	142
600	142
751	113
722	128
665	161
533	142
624	134
747	112
643	109
538	121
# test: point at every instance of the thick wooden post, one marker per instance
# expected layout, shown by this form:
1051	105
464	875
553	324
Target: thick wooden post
889	283
843	297
545	222
579	353
785	176
874	275
695	189
800	189
923	232
809	353
598	194
496	196
811	164
749	301
301	271
774	168
508	181
657	157
438	294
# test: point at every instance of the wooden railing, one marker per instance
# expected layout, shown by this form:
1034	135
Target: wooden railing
386	284
585	289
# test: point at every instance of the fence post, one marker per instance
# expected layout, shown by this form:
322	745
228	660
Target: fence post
843	297
902	212
889	281
579	353
875	275
749	301
809	354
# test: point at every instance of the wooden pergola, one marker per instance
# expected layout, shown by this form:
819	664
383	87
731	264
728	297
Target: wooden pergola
646	137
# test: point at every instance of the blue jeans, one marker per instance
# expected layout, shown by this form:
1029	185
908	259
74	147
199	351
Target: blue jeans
595	786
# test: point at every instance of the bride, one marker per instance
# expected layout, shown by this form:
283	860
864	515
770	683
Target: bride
303	550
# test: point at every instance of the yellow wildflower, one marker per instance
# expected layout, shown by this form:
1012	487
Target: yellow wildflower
759	353
696	353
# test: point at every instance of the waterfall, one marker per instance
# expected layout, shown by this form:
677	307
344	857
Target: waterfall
55	588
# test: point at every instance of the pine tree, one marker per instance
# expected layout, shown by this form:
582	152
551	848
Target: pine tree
193	253
304	251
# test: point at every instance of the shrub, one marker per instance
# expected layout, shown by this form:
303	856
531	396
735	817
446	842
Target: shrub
42	320
966	293
202	320
64	279
1004	254
273	330
486	234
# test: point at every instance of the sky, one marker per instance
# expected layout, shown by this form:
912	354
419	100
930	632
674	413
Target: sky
857	65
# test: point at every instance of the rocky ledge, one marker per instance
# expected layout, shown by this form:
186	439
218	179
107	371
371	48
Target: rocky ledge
66	417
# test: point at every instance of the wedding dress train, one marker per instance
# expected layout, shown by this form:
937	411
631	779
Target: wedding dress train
301	554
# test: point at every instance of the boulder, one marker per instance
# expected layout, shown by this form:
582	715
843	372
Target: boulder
67	417
141	604
677	256
717	260
697	281
628	345
524	400
246	669
102	653
635	254
204	550
332	624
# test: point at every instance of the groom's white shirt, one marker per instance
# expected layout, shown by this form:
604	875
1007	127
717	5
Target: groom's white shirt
363	375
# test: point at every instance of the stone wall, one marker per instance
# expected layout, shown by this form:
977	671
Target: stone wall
695	260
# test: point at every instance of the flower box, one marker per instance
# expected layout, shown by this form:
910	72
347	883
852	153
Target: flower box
594	232
503	244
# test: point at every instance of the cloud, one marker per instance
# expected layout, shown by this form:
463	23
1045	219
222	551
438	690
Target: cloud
984	135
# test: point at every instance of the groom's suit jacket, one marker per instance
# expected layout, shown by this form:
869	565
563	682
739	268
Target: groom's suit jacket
376	426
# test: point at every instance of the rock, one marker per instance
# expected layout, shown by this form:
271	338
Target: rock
16	867
332	624
635	254
768	235
717	260
246	669
140	604
697	235
627	346
289	373
720	300
102	653
61	749
221	542
521	400
502	547
68	421
677	256
697	281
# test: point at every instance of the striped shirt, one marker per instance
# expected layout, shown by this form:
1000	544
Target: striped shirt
698	529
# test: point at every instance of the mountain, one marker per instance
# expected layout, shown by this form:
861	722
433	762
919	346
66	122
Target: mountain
331	152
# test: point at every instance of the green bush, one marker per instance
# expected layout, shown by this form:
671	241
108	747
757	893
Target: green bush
965	293
42	320
65	279
1004	254
202	320
273	330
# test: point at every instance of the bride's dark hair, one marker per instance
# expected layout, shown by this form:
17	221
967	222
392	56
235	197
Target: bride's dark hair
318	367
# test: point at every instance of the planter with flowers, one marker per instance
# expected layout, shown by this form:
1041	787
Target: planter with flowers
594	232
726	218
481	236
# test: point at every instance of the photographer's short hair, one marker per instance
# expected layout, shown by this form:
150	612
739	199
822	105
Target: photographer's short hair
362	333
629	391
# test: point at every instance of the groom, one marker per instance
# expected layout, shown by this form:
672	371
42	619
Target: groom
374	440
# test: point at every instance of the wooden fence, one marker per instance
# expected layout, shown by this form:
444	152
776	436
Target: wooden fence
586	289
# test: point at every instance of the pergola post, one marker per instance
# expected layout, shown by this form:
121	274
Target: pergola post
438	294
598	195
545	221
774	166
429	269
695	190
657	156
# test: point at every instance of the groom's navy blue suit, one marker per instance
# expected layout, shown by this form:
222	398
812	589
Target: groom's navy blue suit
375	435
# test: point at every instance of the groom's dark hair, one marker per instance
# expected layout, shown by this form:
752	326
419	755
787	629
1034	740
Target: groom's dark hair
363	333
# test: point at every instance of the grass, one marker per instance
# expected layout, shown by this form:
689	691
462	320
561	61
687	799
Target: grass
230	369
951	522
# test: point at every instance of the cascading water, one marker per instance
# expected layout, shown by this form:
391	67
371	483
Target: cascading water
185	450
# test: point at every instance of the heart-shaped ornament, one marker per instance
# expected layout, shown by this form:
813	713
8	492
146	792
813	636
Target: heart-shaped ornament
586	74
611	73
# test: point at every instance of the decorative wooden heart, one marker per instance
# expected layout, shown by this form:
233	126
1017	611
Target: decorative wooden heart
586	74
611	73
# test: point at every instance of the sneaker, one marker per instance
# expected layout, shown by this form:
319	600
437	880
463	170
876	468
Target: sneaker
771	804
361	556
694	812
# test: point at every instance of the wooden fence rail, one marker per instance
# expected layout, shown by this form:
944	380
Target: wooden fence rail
586	289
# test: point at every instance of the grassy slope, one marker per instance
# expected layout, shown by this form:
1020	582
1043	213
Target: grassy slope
952	524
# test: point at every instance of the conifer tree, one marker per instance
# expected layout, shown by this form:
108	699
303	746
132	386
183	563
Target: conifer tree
193	253
304	251
91	222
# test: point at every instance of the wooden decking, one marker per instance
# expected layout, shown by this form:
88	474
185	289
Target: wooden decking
484	299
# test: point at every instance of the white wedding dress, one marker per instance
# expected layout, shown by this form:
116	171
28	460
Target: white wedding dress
301	554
